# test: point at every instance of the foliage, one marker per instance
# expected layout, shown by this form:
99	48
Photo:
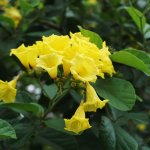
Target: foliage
120	118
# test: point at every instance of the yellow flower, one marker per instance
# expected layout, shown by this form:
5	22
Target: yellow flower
83	68
141	127
68	56
78	37
50	63
3	2
26	55
78	122
92	100
101	58
92	2
57	43
106	64
14	14
8	90
41	48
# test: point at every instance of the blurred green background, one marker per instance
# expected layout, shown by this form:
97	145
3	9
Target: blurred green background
109	18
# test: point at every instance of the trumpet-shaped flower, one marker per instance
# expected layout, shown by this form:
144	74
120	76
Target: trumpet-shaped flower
14	14
106	64
68	56
83	68
50	63
78	37
57	43
92	100
42	48
26	55
8	90
78	122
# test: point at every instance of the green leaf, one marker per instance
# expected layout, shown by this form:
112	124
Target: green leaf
124	140
24	97
7	20
120	93
58	140
75	95
24	132
34	108
137	16
25	6
94	37
6	130
145	57
113	137
139	117
43	33
133	58
106	133
145	148
50	90
35	3
57	124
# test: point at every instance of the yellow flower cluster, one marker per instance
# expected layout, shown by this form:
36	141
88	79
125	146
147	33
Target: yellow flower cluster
80	58
8	90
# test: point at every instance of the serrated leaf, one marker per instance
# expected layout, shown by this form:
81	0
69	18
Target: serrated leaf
133	58
137	16
94	37
34	108
6	130
120	93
